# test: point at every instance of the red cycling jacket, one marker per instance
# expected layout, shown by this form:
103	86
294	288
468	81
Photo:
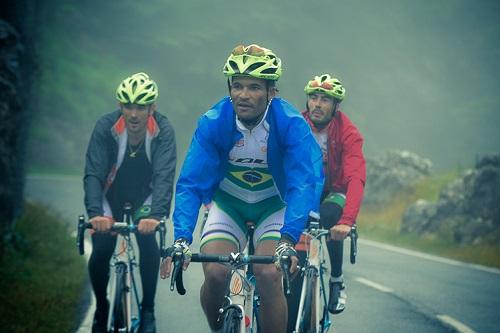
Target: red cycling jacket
344	165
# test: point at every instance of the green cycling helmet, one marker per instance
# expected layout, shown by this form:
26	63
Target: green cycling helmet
253	60
137	89
326	84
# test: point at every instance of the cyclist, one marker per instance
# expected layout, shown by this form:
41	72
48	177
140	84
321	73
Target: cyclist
131	158
345	174
252	158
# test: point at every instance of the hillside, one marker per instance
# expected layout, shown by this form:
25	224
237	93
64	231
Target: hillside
383	223
399	60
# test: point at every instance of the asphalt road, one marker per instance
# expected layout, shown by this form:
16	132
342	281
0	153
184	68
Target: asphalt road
389	289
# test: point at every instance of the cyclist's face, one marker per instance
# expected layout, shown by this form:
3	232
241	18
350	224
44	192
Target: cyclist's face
136	116
321	107
250	97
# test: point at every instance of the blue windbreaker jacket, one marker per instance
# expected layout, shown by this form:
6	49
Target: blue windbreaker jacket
294	159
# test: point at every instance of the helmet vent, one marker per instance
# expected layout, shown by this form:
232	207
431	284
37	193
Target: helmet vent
234	66
140	97
269	71
254	66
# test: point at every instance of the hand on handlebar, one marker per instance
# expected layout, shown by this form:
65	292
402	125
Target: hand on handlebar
101	223
178	251
339	231
287	257
147	226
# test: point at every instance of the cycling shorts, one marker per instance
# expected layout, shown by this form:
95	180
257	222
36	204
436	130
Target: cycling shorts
228	217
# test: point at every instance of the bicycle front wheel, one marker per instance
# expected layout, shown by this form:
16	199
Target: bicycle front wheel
308	322
232	320
120	322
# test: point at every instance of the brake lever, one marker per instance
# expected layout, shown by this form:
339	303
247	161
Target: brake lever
285	267
178	261
354	244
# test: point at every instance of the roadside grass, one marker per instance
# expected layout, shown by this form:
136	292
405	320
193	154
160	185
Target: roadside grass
383	223
41	276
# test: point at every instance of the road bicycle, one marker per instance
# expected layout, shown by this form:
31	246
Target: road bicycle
124	312
240	311
313	315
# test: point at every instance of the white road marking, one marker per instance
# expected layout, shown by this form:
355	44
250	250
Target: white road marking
428	256
459	326
374	285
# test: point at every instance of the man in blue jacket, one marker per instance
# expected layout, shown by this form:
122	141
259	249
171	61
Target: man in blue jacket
252	158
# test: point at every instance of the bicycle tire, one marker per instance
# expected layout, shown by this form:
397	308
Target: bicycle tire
120	302
232	320
307	311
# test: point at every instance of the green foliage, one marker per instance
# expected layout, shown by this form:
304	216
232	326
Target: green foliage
383	224
429	188
41	276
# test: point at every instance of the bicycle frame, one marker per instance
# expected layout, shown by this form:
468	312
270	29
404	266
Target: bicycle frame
241	295
313	271
124	262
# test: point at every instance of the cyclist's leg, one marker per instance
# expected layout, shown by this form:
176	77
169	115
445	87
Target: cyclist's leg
149	267
103	245
331	211
273	307
220	235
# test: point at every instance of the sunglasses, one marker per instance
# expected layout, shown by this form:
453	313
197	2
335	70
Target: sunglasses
253	50
325	85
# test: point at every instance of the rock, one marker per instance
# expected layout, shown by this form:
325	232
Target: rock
417	216
394	171
467	211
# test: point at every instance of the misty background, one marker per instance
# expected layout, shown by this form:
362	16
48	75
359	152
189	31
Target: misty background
420	75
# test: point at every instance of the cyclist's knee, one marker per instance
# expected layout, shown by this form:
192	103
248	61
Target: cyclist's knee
215	274
266	274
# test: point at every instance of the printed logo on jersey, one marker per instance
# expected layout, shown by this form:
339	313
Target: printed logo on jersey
251	177
247	160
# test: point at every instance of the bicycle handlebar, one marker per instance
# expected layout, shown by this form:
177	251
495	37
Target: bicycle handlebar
315	231
234	259
120	227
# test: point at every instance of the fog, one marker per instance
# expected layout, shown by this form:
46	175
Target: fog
420	75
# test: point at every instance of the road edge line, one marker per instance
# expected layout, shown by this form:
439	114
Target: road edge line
455	324
427	256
